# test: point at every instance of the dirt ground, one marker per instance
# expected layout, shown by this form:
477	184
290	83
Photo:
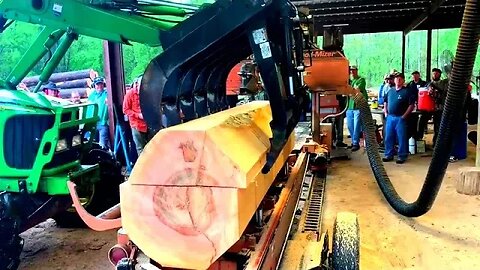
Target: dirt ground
447	237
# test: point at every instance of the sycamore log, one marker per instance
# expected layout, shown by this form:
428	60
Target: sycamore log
63	77
196	186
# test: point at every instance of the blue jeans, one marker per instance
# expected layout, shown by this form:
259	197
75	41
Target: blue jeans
354	125
396	129
104	136
141	139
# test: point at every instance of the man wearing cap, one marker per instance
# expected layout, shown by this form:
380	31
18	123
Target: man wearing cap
353	113
51	90
99	97
385	87
399	103
131	108
416	82
438	88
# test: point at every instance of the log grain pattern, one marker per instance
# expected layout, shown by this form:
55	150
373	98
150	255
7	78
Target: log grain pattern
196	186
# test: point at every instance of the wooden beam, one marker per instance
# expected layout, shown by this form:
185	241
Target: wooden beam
196	186
424	16
115	79
477	147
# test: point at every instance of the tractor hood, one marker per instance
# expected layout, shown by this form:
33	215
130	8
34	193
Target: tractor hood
27	99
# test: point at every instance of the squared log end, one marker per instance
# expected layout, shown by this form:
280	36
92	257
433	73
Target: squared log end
468	182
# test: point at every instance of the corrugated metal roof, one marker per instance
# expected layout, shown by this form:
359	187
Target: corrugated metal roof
372	16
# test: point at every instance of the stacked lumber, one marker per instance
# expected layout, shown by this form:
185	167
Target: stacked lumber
79	81
197	185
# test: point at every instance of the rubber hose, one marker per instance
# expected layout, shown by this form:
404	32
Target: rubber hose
456	94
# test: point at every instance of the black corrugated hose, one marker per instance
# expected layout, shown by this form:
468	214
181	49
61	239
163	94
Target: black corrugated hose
457	90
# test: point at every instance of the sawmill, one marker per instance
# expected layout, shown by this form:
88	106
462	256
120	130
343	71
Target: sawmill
217	186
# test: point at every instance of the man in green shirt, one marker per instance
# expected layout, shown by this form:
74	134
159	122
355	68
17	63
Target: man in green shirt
99	97
353	113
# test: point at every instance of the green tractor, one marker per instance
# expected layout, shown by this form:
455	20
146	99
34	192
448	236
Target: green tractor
42	148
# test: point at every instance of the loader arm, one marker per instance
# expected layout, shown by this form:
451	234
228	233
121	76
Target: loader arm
123	22
200	45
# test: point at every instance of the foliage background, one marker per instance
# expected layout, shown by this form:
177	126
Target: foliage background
374	54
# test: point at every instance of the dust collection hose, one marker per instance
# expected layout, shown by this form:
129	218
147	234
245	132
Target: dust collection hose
457	88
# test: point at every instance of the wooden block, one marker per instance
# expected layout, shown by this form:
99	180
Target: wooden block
326	130
224	149
468	182
172	224
196	186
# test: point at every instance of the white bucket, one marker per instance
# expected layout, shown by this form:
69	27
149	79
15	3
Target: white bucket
412	146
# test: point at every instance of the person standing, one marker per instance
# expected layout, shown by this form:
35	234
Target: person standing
413	120
51	89
99	97
384	88
416	83
131	108
353	113
438	88
426	116
399	103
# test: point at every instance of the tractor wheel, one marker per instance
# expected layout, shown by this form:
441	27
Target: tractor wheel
97	197
346	242
11	244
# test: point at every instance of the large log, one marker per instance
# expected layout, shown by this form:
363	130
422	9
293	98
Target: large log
80	83
63	77
196	186
67	93
468	182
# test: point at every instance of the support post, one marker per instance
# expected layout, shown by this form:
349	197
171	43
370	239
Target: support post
477	152
403	51
113	68
429	53
316	117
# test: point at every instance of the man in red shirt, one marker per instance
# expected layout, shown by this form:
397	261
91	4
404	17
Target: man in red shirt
131	108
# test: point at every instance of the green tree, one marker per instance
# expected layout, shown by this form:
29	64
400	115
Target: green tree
374	54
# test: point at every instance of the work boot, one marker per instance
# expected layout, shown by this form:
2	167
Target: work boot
387	159
341	144
355	148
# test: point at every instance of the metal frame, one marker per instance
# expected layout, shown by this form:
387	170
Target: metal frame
372	16
430	10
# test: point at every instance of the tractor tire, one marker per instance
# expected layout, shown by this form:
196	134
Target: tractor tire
346	242
104	194
11	244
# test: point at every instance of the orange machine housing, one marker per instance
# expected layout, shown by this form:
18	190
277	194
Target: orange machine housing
329	72
234	81
329	105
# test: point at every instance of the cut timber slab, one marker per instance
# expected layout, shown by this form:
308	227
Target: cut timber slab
468	182
222	150
185	227
197	185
